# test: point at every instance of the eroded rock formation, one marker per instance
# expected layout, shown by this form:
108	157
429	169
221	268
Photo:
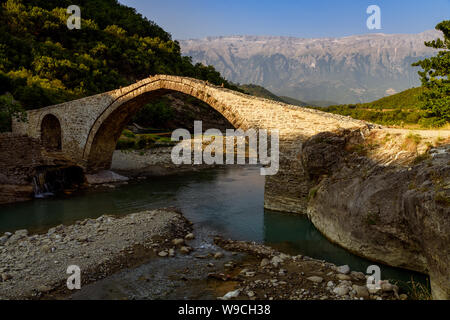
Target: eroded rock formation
396	212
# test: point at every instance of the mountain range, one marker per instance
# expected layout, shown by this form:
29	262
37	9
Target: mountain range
322	71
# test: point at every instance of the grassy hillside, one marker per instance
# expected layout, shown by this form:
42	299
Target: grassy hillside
399	109
405	99
295	102
262	92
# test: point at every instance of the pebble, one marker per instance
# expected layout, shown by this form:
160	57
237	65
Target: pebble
185	250
341	290
276	261
264	262
315	279
231	294
345	269
361	291
341	276
218	255
163	254
177	242
189	236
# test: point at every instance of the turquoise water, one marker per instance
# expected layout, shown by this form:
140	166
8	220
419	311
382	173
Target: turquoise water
226	201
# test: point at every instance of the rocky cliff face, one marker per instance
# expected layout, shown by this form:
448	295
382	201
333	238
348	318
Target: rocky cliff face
351	69
383	197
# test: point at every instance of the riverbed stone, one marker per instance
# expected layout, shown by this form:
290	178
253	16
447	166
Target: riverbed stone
264	262
341	276
185	249
341	290
276	261
218	255
345	269
361	291
315	279
163	253
177	242
189	236
387	287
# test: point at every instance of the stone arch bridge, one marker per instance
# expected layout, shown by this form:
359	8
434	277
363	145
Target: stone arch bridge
86	130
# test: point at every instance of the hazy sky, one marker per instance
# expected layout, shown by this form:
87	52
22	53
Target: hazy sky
187	19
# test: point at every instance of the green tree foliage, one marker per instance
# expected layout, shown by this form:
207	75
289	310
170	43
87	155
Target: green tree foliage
8	109
435	77
156	113
42	62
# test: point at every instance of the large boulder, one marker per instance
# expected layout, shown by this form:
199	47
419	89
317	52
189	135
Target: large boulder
398	215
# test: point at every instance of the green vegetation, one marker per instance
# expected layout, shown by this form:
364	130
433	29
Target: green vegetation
435	78
414	289
399	109
131	141
421	158
42	62
156	113
312	193
427	106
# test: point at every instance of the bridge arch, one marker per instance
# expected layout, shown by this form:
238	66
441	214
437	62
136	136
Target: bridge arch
107	128
51	133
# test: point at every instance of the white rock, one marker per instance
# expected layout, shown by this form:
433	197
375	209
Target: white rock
264	262
341	290
163	254
190	236
345	269
276	261
177	242
315	279
231	294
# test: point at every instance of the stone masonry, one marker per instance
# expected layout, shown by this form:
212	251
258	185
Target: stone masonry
91	126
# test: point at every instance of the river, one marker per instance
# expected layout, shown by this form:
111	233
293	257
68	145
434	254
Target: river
223	201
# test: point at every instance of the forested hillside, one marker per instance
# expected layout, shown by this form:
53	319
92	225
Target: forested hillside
42	62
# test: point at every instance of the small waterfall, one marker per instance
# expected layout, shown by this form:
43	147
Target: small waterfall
41	188
50	181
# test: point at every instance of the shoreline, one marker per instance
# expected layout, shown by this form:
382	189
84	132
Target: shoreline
107	246
34	267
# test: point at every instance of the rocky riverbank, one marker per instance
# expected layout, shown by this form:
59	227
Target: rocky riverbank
385	196
35	266
279	276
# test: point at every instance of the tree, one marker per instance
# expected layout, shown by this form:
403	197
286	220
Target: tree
9	108
435	79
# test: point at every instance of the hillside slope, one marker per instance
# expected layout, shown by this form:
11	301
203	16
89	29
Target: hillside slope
259	91
43	63
399	109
